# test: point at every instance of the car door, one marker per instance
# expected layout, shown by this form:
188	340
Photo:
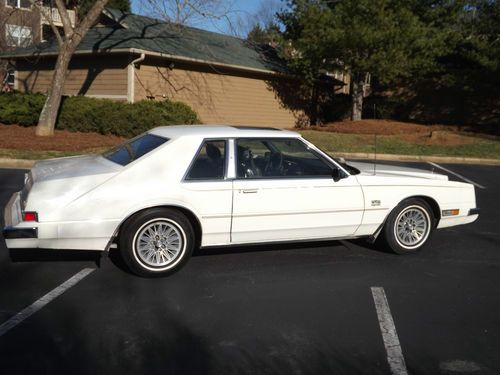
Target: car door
284	190
208	190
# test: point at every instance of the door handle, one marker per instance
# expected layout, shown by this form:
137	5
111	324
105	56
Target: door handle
250	191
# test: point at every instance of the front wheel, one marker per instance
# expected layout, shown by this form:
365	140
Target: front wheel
157	242
408	227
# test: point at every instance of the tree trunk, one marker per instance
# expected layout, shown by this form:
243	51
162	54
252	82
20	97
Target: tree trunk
313	110
48	116
357	97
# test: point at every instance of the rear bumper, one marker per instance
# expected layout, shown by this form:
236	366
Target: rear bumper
16	233
11	233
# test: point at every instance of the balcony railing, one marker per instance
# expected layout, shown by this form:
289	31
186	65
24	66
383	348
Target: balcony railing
54	15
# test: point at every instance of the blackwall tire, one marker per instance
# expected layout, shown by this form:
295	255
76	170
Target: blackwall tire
156	242
408	227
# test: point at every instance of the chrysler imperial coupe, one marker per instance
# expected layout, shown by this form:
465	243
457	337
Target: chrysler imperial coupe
173	189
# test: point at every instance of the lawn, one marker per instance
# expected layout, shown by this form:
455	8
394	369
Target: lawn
343	137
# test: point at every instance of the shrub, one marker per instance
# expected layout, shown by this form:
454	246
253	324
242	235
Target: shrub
84	114
105	116
22	109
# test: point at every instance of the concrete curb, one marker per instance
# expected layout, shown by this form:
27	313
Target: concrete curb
27	164
16	163
419	158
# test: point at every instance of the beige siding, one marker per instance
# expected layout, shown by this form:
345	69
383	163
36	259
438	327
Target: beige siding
217	98
99	77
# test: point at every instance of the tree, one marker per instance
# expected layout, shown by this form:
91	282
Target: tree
270	34
85	5
383	38
189	12
68	42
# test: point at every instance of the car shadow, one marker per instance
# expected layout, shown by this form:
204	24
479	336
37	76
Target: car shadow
50	255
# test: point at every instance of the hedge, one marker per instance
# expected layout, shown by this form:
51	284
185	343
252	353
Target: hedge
84	114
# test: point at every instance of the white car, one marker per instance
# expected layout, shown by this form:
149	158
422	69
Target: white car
176	188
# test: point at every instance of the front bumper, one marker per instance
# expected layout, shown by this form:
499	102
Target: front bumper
474	211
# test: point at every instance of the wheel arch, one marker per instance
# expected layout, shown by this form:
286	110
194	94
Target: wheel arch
191	216
436	211
429	200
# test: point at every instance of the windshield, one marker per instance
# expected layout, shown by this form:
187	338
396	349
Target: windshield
134	149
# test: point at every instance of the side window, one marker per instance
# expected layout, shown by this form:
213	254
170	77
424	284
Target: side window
209	163
270	158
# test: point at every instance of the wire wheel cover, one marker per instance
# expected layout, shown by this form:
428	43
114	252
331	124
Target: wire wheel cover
158	243
412	227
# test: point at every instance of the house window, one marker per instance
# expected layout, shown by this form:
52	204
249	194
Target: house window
18	36
18	3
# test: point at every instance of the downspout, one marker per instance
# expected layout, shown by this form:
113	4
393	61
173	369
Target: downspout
131	77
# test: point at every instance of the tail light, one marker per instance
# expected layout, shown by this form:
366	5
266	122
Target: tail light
30	216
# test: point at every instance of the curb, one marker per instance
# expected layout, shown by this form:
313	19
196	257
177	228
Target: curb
27	163
16	163
419	158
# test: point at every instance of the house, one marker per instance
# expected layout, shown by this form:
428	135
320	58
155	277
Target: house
130	57
23	24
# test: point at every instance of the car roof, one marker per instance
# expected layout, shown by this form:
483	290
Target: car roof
221	131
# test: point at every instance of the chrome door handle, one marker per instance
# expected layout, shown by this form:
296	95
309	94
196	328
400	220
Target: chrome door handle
250	191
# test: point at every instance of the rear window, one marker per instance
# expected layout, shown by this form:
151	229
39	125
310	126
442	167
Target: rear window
134	149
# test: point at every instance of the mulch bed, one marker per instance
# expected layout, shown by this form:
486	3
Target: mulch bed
24	138
383	127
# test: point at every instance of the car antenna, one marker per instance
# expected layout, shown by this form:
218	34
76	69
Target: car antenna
375	155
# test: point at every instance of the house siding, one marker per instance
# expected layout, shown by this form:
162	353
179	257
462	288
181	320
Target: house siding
91	76
217	95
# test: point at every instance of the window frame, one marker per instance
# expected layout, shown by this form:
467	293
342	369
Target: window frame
227	158
18	5
9	36
306	144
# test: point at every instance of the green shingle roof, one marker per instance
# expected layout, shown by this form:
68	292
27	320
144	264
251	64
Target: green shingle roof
150	35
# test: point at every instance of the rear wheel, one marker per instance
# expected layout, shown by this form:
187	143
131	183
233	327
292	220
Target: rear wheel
157	242
408	227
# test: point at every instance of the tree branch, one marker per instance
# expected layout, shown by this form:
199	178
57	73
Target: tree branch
48	18
63	12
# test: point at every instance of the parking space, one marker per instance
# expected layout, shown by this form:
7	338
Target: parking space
288	309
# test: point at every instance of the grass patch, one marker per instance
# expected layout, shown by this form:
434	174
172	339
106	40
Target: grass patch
394	144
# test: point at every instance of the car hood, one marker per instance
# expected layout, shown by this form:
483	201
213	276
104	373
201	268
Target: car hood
393	170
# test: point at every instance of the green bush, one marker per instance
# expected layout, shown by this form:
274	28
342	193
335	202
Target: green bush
80	113
84	114
22	109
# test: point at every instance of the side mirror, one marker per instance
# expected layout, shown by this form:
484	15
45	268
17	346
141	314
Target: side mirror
337	174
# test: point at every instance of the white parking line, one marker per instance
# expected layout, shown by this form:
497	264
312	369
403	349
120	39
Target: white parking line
37	305
456	174
389	334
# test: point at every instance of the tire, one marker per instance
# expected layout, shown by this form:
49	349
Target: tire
156	242
408	227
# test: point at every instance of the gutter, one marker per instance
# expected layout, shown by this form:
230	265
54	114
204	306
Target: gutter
131	77
149	53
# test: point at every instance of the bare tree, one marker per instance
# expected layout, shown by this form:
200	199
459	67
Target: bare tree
263	17
193	12
68	42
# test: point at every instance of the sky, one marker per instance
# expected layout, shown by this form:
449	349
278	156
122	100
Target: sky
238	17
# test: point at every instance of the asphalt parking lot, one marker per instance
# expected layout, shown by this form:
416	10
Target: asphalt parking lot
283	309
